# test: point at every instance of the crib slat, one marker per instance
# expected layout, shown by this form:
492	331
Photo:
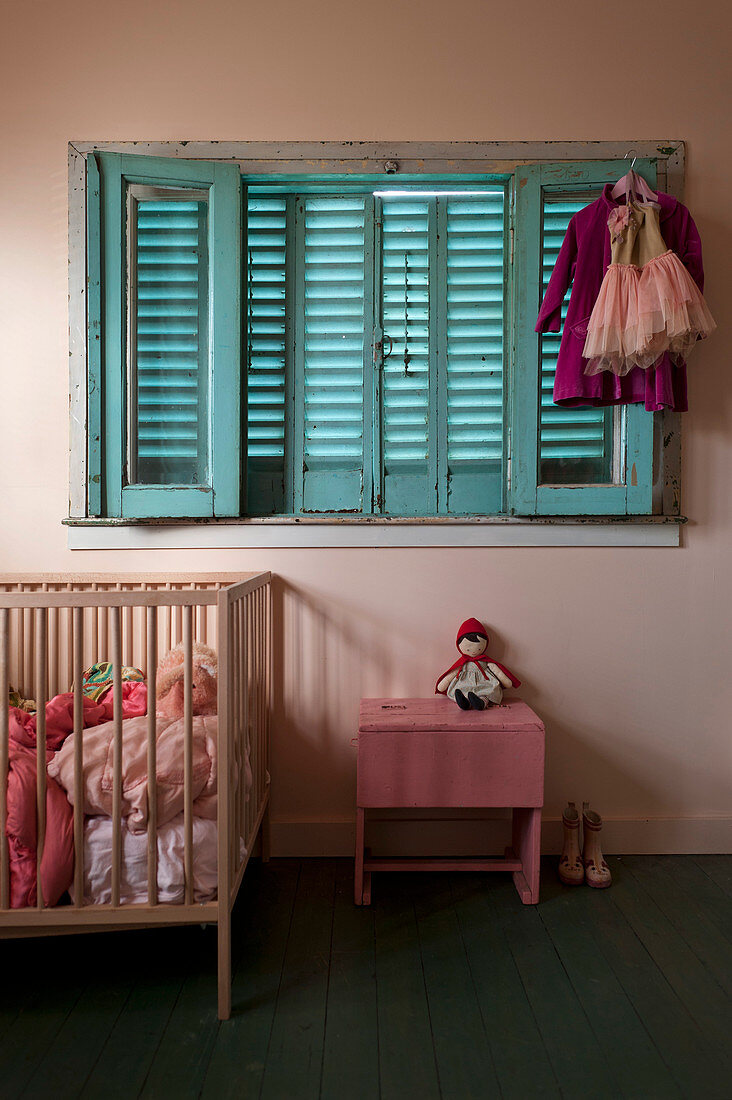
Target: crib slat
223	630
78	643
151	664
244	727
117	758
188	749
41	633
4	755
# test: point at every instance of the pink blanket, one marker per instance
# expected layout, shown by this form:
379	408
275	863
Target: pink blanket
99	771
57	861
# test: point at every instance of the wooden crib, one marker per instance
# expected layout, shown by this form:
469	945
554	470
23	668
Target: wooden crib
53	627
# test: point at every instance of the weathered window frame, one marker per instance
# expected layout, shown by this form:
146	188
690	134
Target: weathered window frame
346	158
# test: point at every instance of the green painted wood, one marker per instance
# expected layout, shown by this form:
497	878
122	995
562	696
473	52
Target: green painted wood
475	351
43	1013
18	985
221	494
351	1052
260	929
573	1048
292	332
114	339
125	1060
297	299
526	202
408	1070
687	912
461	1043
690	1054
437	474
633	491
695	881
368	495
719	870
695	986
181	1059
94	338
377	402
70	1058
519	1056
225	251
637	1064
295	1055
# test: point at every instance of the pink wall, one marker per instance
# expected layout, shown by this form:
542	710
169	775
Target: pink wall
626	652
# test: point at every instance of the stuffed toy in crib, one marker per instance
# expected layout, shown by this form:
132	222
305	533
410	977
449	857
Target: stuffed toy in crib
475	680
169	682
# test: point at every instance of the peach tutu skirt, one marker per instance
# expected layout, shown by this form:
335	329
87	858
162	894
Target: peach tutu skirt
642	313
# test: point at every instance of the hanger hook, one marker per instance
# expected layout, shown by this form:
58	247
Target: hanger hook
631	152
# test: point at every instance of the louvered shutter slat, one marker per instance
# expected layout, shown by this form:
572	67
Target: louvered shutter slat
334	331
405	312
573	443
170	345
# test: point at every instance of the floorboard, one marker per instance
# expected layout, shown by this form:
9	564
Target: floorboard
690	1055
719	870
295	1056
639	1068
686	974
520	1059
351	1055
407	1066
687	913
260	931
576	1056
445	988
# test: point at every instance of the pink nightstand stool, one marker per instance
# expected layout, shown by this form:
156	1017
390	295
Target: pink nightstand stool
428	753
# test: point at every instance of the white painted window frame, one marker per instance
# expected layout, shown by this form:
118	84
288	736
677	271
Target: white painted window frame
323	158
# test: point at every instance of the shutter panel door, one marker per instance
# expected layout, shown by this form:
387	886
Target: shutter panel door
575	445
475	325
566	461
408	379
329	352
267	218
169	335
171	274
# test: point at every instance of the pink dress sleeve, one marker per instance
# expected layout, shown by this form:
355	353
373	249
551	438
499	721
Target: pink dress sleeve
550	314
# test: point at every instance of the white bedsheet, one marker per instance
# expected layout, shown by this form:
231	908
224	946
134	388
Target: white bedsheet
133	877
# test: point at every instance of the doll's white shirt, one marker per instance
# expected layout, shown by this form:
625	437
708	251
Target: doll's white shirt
470	678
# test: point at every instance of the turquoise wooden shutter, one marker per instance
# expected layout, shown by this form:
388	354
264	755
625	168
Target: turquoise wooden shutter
408	385
566	461
270	323
171	320
330	337
443	288
475	231
334	425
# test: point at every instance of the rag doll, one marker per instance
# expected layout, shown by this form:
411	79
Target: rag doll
170	687
475	681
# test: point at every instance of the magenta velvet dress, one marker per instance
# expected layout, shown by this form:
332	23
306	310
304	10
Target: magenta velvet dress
583	259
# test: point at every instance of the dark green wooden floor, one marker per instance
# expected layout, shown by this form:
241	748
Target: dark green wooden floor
445	987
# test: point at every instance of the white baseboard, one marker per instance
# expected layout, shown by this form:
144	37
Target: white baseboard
448	836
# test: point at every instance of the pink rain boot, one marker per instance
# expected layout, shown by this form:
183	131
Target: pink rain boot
571	868
597	872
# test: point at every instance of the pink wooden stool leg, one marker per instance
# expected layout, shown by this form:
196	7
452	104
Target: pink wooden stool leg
527	846
358	871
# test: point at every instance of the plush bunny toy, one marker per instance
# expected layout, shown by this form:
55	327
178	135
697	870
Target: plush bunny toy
169	682
474	680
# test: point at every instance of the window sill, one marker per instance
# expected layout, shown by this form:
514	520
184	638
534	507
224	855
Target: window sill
303	532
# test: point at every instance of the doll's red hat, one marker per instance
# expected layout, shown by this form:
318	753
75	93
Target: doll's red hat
471	626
